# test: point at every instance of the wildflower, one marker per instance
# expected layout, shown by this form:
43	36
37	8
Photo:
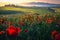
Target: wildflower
53	34
12	31
57	37
2	32
59	21
21	23
2	20
8	23
50	20
31	19
18	29
38	18
25	30
23	18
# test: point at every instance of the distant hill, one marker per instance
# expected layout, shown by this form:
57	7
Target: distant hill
34	4
41	4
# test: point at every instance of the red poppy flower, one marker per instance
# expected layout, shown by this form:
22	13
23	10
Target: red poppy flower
57	37
18	29
21	23
2	32
50	20
8	23
2	20
14	22
31	19
38	18
53	33
23	18
59	21
25	30
12	31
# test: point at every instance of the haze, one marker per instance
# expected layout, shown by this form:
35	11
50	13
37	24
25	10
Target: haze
20	2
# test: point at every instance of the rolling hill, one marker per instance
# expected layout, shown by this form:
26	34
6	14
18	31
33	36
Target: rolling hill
41	4
16	10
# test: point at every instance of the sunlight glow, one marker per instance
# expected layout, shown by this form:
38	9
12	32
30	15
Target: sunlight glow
19	2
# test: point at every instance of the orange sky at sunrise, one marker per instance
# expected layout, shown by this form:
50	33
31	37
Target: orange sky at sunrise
20	2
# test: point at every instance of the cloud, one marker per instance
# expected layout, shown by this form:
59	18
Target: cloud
22	1
50	1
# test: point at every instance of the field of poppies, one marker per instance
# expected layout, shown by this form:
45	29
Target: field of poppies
30	27
29	23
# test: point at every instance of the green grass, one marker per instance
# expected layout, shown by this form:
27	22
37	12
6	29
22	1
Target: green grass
16	11
25	10
38	27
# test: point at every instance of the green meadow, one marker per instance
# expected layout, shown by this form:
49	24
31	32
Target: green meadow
29	23
25	10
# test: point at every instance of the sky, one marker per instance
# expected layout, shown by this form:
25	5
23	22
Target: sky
19	2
